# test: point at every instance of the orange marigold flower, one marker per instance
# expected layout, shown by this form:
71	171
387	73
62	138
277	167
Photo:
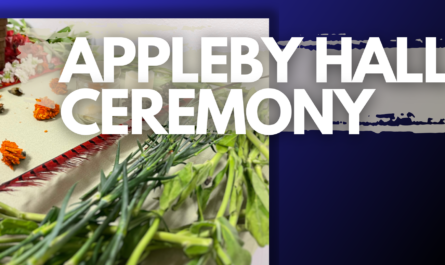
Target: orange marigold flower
46	109
11	153
58	88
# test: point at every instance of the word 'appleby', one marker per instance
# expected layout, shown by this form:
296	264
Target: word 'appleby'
302	101
373	47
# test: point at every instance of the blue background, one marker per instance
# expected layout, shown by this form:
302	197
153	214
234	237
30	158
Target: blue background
338	199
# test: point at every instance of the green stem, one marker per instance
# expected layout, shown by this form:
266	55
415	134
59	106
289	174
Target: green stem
229	187
11	239
13	212
258	144
259	172
8	210
221	253
59	241
266	142
214	161
237	199
144	196
36	217
252	156
4	216
140	248
6	246
11	250
200	210
241	145
182	240
80	254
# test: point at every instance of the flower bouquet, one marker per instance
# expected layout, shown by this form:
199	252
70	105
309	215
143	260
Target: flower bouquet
27	55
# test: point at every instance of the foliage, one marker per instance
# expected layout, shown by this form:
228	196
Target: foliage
108	225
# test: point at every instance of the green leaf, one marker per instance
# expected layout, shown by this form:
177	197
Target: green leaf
205	193
96	251
118	152
125	199
82	34
65	29
237	197
61	35
257	222
174	187
112	179
221	148
23	23
14	22
65	40
203	173
233	244
200	260
20	251
103	179
196	228
227	141
260	189
236	201
117	170
59	223
111	252
140	146
185	194
17	227
132	240
193	262
257	216
192	251
51	216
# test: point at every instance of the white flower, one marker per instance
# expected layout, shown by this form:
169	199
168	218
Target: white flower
8	68
27	67
15	63
22	75
36	61
8	73
8	77
22	70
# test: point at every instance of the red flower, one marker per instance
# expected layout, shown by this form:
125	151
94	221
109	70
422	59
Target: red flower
10	55
13	41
